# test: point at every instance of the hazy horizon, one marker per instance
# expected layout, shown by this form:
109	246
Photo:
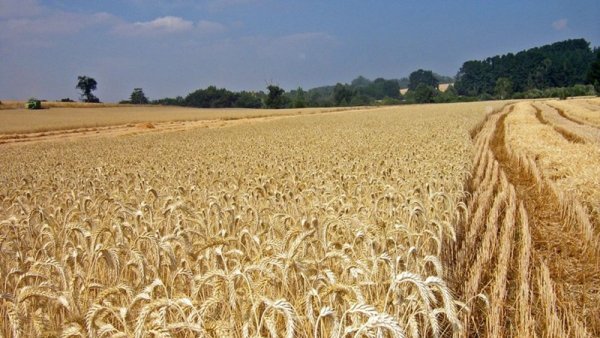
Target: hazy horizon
170	48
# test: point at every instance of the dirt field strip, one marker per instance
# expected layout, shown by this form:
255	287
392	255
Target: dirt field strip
140	128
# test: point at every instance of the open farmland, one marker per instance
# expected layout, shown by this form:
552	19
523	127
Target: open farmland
73	116
431	220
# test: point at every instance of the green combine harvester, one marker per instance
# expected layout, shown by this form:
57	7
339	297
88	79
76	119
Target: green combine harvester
33	104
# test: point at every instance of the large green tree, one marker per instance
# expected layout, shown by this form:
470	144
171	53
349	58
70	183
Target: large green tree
342	94
421	76
211	97
87	85
138	96
276	98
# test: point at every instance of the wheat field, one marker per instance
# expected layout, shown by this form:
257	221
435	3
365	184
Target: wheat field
62	116
414	221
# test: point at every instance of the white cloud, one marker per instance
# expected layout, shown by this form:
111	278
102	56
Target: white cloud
166	24
560	24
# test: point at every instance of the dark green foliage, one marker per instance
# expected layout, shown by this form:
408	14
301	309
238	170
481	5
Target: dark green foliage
299	98
360	82
138	97
276	98
249	100
503	88
381	88
66	100
558	92
556	70
388	101
561	64
320	97
87	85
342	94
562	95
593	75
423	93
424	77
211	97
448	96
361	100
360	92
168	101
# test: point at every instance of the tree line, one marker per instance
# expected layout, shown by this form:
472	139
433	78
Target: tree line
561	69
562	64
359	92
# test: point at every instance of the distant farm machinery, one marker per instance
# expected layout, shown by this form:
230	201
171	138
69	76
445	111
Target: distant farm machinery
33	104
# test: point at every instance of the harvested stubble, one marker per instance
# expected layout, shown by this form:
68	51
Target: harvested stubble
311	226
541	277
571	131
571	166
579	110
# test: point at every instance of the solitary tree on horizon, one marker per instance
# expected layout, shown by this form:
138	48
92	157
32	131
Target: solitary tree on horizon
275	97
87	85
138	96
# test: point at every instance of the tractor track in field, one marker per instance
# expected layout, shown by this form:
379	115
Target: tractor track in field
567	135
538	267
564	114
555	244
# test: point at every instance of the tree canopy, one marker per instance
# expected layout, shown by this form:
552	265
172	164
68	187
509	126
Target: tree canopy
275	97
138	97
504	88
424	77
87	85
593	75
561	64
548	71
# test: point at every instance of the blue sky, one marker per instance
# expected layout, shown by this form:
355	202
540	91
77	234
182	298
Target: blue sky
173	47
